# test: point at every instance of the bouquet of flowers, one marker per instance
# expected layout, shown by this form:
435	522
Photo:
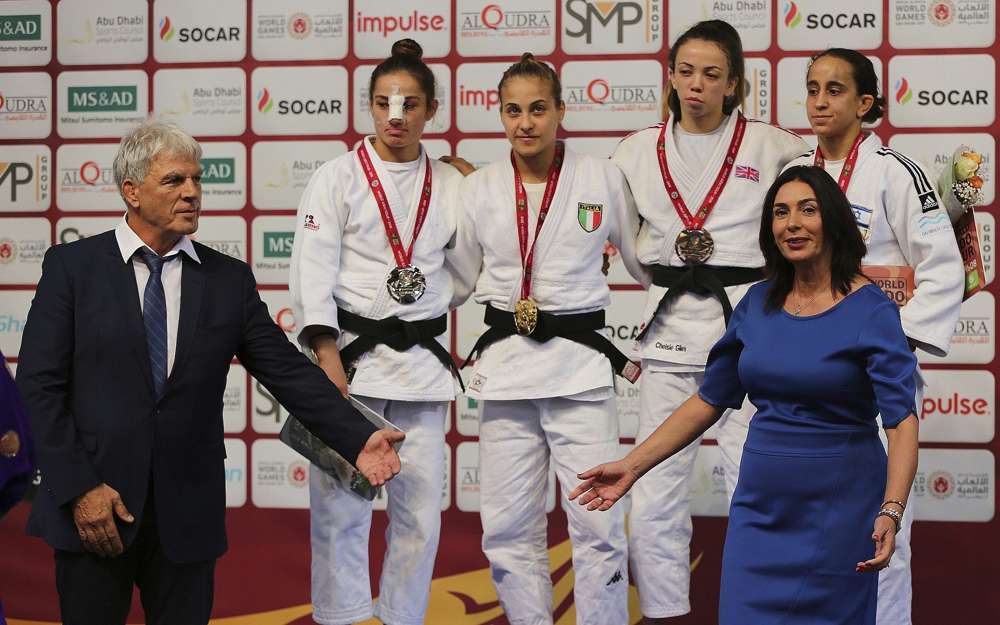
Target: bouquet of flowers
960	188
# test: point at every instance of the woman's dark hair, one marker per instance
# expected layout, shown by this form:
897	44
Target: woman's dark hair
406	56
840	234
725	36
865	78
530	67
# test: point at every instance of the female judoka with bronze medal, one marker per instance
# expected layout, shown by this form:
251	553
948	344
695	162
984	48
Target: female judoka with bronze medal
699	181
370	304
544	368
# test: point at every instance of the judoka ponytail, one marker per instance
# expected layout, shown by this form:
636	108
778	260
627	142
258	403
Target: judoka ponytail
865	78
406	56
530	67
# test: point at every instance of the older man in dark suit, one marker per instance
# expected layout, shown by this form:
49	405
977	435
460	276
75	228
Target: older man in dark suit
122	368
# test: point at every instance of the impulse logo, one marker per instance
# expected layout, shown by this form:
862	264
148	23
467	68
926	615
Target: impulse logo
903	92
792	15
386	24
166	29
264	101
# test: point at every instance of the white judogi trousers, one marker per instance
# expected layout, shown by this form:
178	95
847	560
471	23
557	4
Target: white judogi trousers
660	520
341	523
517	438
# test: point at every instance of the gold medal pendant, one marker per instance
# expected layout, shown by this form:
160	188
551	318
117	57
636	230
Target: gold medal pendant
525	316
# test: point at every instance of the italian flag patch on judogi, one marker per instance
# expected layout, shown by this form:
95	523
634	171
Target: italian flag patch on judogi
590	215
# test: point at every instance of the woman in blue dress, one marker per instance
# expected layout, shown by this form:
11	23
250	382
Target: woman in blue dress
820	351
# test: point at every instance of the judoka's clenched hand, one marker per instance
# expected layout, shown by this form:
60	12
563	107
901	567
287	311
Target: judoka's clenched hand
378	461
603	485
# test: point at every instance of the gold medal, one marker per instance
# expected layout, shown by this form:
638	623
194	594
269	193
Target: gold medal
10	444
694	245
525	316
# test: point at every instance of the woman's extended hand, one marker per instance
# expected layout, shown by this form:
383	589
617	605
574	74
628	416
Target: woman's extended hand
885	544
603	485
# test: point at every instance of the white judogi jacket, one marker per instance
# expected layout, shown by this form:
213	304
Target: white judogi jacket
903	222
341	258
567	276
687	328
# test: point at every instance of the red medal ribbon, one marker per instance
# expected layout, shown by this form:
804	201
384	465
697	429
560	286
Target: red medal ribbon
521	212
696	221
844	180
402	256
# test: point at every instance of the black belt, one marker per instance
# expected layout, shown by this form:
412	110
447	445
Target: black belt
396	334
701	280
579	328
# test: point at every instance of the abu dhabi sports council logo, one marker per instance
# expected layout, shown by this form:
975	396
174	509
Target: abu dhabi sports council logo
264	101
903	92
166	29
792	17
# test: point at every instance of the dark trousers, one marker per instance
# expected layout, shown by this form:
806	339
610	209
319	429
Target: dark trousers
98	591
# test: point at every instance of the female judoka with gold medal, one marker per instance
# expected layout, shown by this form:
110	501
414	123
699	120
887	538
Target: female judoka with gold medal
371	296
531	241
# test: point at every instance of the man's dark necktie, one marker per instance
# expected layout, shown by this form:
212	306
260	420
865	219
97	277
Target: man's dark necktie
154	318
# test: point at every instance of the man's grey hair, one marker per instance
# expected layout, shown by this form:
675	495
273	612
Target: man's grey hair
139	147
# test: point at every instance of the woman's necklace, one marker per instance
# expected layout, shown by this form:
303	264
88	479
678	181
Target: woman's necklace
803	304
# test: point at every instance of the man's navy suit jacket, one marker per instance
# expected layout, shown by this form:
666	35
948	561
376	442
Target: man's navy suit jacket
85	376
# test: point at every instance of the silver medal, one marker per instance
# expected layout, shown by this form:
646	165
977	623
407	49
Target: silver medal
406	284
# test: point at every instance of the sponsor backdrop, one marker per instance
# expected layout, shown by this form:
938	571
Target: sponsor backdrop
273	88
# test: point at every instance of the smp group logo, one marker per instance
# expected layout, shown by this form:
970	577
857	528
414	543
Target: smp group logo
86	181
612	27
441	122
604	95
224	175
25	105
973	341
299	100
202	101
934	90
273	237
378	24
23	243
195	31
958	407
113	32
282	169
101	104
25	33
812	24
313	29
477	100
940	23
488	28
758	88
955	485
752	18
25	178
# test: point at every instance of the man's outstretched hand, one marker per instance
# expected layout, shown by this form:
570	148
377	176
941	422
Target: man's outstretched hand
378	461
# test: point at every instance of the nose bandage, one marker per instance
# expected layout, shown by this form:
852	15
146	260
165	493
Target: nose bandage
396	101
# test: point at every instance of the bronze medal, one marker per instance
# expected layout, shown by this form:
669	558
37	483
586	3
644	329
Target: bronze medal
694	246
10	444
406	284
525	316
